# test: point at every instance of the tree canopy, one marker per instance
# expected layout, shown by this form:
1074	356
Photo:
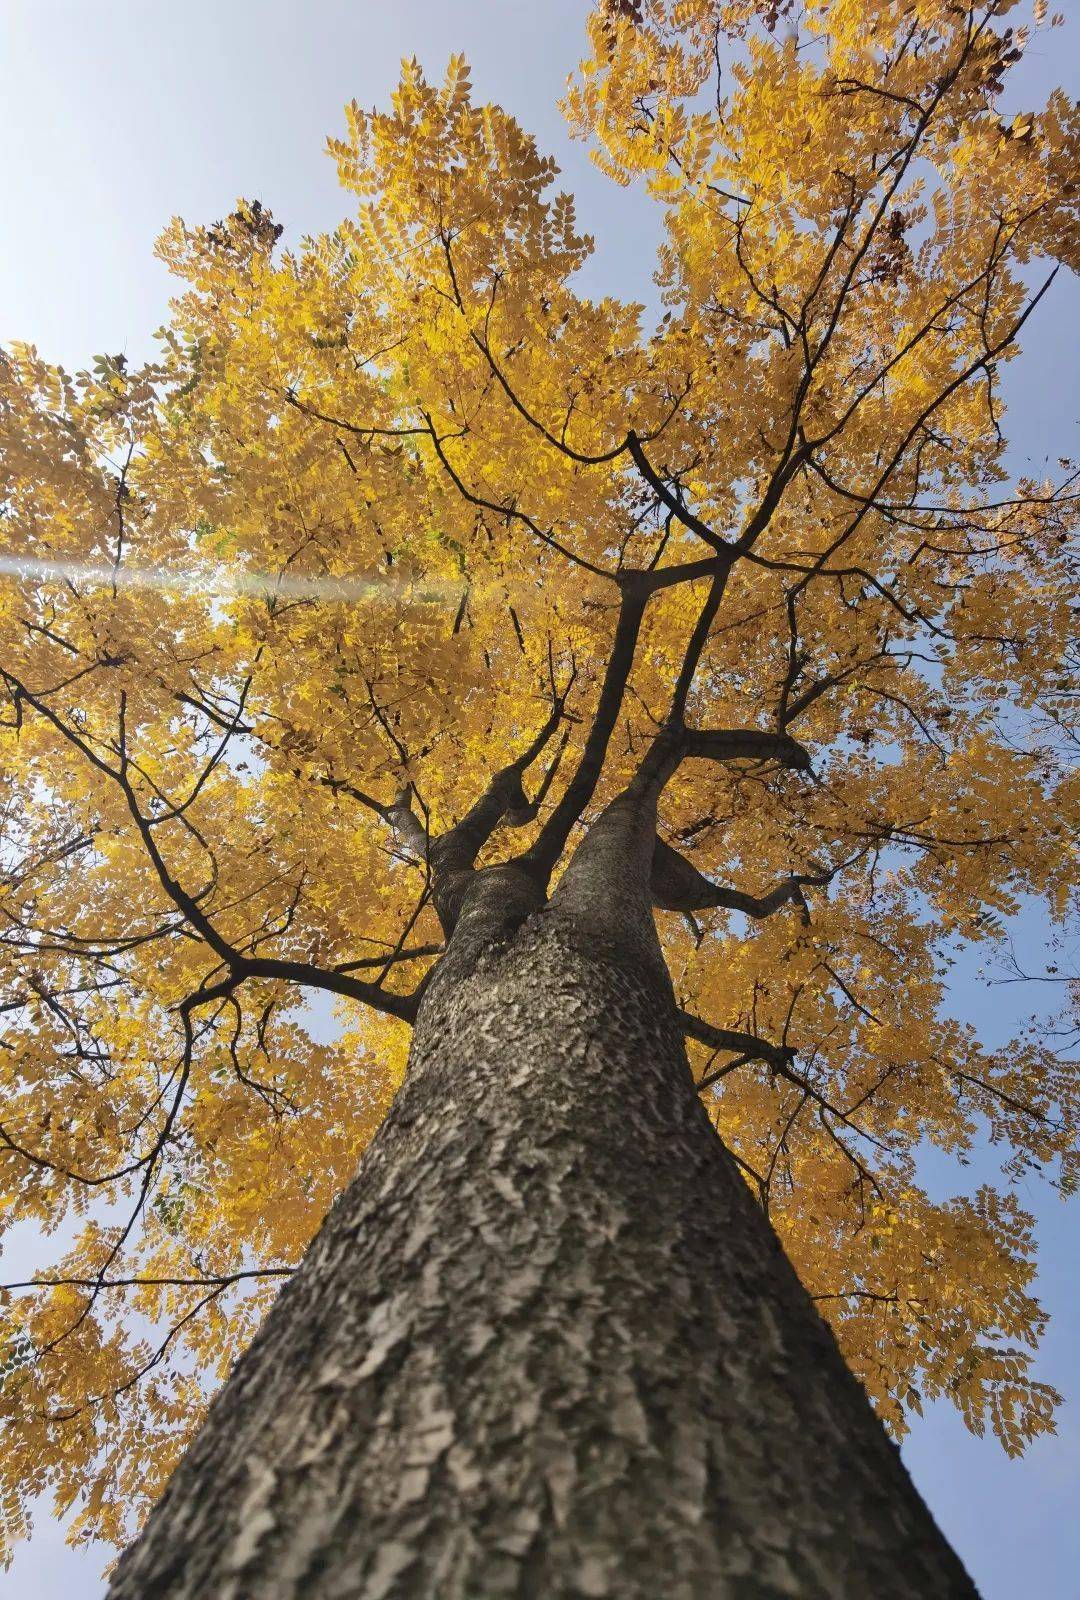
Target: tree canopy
400	511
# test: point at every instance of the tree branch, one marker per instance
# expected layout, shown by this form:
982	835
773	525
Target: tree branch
541	858
677	885
734	744
747	1045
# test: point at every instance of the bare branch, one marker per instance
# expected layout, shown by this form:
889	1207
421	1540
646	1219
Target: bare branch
547	849
746	1045
735	744
677	885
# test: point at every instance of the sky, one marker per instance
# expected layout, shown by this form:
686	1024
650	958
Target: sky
121	114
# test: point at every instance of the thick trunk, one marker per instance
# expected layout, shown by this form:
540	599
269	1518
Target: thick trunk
546	1343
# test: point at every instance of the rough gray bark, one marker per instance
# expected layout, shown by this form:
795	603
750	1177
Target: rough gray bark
546	1344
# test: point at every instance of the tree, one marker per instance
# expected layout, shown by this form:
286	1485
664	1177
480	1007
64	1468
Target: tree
415	630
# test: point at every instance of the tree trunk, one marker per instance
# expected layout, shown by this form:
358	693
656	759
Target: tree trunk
546	1344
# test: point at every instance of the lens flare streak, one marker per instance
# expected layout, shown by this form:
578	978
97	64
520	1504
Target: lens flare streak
225	586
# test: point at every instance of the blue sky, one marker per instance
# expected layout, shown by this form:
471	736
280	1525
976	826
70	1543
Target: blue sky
119	115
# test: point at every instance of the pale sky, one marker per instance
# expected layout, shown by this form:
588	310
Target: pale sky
120	114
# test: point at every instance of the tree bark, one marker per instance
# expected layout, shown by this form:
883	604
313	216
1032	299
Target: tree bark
546	1344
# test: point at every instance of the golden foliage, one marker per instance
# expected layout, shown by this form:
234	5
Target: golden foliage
207	714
